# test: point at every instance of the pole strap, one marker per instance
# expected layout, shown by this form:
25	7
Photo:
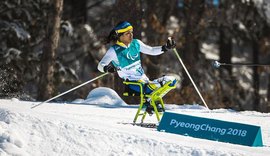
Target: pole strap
180	60
100	76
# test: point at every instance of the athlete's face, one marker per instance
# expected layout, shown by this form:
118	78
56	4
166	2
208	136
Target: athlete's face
127	37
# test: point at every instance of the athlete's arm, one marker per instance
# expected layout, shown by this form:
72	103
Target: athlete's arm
146	49
107	58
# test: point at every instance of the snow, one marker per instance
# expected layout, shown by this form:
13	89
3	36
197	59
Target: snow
210	51
94	126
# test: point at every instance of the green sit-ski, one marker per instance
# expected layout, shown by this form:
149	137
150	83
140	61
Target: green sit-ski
155	96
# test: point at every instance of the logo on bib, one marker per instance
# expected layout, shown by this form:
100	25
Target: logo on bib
132	57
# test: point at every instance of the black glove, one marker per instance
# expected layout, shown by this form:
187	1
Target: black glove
109	68
169	45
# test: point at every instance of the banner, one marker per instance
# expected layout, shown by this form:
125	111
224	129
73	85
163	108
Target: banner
211	129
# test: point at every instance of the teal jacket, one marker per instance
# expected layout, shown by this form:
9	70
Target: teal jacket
128	60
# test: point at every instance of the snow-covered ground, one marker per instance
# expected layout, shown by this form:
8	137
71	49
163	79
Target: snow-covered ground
94	127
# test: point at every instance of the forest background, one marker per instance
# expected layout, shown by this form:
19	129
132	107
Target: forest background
50	46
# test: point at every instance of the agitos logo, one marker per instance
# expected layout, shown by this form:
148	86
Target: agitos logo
132	57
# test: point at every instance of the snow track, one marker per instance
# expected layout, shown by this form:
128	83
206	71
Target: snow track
72	129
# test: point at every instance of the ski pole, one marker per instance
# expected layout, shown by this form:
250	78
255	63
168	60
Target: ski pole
180	60
217	64
100	76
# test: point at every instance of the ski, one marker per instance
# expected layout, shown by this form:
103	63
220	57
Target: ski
145	125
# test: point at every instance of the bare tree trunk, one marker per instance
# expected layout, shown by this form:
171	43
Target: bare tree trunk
46	86
225	49
256	79
268	94
76	10
194	13
153	32
191	50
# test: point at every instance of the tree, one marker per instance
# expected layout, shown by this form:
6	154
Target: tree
193	13
46	86
156	33
225	48
77	10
